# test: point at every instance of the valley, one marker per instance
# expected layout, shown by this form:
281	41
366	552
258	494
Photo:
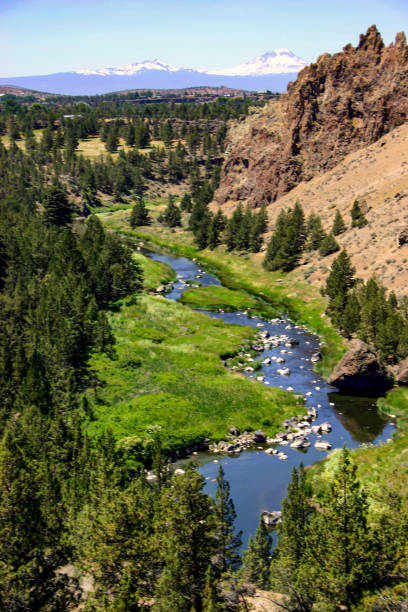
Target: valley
181	274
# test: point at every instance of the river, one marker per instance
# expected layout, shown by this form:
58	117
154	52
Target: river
258	481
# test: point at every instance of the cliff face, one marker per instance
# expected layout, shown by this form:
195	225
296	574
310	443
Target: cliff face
337	105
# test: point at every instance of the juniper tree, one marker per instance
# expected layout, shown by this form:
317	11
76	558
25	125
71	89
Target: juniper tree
358	218
328	246
57	208
338	224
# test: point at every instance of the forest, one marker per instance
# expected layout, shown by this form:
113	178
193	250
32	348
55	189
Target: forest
80	524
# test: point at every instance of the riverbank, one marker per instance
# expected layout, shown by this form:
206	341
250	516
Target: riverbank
281	292
168	371
382	469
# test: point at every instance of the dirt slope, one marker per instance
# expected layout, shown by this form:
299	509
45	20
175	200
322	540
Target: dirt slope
377	176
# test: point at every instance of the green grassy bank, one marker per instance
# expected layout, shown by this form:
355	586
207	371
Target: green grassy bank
281	292
168	371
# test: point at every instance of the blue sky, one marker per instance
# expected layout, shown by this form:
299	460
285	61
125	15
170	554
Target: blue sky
44	36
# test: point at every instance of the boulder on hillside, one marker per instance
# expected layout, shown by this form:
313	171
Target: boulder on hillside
402	237
361	372
402	372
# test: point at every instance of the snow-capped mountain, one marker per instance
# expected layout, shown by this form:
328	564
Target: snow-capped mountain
272	71
280	61
131	68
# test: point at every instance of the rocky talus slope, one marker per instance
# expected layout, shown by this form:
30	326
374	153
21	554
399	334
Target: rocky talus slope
337	105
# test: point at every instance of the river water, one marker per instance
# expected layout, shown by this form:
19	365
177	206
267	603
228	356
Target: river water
258	481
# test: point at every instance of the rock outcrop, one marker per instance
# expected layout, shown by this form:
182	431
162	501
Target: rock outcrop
402	373
337	105
360	372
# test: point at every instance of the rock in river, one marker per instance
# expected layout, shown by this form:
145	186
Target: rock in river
259	436
361	372
271	518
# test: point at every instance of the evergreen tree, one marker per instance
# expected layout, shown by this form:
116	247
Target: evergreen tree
338	284
328	246
172	214
287	242
28	561
347	556
350	322
186	203
289	567
358	218
57	209
232	228
315	232
227	541
112	139
256	560
139	215
338	224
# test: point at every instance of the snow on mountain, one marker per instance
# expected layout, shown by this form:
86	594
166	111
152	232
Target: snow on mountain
280	61
130	68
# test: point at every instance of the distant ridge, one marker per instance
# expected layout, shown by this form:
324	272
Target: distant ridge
272	70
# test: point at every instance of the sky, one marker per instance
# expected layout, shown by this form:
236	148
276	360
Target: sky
46	36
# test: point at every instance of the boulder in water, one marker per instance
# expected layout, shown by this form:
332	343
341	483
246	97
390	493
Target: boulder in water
361	372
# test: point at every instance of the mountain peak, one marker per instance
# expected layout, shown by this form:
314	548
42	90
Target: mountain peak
279	61
129	69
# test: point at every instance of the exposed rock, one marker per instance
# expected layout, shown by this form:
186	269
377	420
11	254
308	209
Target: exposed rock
337	105
402	372
402	237
316	357
271	518
234	431
361	372
259	436
322	445
283	372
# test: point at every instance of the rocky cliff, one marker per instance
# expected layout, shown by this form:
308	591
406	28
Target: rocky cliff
336	106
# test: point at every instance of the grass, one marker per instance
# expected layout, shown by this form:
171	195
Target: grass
214	298
168	371
383	469
284	293
155	273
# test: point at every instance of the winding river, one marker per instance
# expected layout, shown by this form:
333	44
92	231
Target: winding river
258	481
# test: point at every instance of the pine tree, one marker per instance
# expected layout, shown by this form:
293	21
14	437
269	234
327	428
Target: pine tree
256	560
328	246
338	283
357	216
112	139
350	322
289	567
347	556
227	541
186	203
172	214
57	209
139	215
233	227
28	562
315	232
338	224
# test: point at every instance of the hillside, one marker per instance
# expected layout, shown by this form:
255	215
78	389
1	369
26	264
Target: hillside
336	106
377	176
